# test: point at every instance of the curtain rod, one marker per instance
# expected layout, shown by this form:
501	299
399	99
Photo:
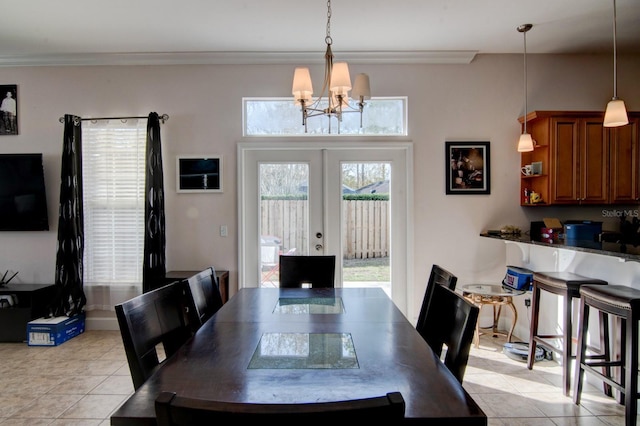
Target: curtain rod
163	118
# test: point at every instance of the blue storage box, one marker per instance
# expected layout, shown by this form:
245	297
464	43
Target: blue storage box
55	330
518	278
585	230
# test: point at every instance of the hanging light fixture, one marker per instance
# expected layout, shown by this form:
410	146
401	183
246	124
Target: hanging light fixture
525	144
616	113
334	96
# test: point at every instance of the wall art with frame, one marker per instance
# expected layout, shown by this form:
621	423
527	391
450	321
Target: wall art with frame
199	173
468	168
9	109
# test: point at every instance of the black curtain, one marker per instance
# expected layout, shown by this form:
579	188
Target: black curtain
70	298
154	264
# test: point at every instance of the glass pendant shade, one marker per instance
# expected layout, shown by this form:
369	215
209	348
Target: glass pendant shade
525	144
616	114
302	88
361	88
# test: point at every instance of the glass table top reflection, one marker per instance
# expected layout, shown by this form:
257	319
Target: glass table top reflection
309	305
304	351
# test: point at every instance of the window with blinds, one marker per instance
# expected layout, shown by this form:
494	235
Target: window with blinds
113	161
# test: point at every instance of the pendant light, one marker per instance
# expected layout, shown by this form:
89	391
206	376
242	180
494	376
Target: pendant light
525	144
616	113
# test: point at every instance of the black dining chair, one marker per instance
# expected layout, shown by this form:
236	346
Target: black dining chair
450	323
175	410
165	316
302	271
206	293
438	276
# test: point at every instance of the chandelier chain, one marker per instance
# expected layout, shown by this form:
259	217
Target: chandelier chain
328	38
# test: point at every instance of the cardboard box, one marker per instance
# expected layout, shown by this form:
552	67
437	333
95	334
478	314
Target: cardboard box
55	330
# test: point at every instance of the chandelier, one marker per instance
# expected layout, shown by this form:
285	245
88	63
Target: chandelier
334	96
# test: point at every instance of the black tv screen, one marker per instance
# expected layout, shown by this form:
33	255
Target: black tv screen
23	200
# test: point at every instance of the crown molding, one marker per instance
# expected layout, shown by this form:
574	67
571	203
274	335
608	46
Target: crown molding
234	58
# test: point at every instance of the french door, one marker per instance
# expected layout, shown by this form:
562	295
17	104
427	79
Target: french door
293	200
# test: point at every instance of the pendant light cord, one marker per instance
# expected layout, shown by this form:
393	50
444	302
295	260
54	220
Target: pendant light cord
525	81
615	65
523	29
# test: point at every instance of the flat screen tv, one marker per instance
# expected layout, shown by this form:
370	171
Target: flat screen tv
23	200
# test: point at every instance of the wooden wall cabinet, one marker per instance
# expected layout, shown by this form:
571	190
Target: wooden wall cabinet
624	164
583	161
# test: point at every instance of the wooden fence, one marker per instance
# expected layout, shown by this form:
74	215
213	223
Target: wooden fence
367	225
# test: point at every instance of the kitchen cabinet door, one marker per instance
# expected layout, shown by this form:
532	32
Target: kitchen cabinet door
581	156
564	144
594	162
624	163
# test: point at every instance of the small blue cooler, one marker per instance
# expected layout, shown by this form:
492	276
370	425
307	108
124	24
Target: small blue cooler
518	278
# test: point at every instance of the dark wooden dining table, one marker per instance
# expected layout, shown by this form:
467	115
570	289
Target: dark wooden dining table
273	345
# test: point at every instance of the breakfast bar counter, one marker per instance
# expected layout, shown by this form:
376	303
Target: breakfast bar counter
624	252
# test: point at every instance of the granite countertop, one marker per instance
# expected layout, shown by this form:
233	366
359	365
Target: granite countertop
623	251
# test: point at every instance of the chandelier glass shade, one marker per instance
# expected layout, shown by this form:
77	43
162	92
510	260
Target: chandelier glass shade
334	96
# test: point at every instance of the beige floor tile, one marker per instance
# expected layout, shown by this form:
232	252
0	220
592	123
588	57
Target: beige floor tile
115	385
47	406
94	407
84	380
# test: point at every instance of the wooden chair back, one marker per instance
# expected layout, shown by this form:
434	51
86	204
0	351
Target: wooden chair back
438	276
163	316
316	271
206	293
174	410
450	322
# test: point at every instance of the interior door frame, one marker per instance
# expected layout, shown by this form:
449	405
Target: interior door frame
402	214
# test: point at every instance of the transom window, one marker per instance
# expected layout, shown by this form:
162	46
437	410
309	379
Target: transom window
281	117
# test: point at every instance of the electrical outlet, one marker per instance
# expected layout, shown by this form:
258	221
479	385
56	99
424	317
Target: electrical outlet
224	231
527	302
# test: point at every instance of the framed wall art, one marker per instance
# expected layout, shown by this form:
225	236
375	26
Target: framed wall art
468	168
9	109
199	173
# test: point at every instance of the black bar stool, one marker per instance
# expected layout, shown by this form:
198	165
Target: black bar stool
567	285
624	303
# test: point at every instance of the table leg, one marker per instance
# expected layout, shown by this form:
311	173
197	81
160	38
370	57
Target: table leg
510	304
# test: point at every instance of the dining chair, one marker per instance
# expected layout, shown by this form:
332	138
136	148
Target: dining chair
450	323
206	293
438	276
175	410
165	316
303	271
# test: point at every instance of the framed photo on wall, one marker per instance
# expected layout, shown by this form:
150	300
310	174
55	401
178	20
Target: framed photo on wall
9	109
468	168
199	173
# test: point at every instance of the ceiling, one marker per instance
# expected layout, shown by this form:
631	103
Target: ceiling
42	32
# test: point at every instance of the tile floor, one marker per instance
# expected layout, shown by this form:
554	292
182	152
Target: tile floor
82	381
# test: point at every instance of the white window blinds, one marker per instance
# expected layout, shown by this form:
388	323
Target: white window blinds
113	162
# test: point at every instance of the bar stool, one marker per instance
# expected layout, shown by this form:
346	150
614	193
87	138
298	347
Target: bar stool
567	285
624	303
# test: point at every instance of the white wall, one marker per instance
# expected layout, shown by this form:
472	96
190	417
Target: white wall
479	101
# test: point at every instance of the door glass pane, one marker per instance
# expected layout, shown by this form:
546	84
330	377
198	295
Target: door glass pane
366	242
284	218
